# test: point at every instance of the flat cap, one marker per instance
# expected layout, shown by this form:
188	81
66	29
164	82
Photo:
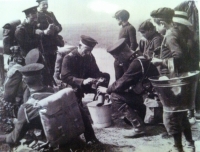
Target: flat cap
117	46
31	69
31	10
146	25
33	56
40	0
165	13
88	41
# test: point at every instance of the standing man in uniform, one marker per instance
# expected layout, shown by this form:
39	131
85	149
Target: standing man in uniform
47	22
79	68
129	33
26	33
123	97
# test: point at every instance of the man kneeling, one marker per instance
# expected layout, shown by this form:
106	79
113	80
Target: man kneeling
124	99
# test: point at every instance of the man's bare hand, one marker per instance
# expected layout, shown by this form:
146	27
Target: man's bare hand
156	61
88	81
101	90
39	32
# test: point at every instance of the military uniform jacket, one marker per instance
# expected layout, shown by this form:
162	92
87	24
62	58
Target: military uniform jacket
76	68
44	19
174	46
132	75
26	37
129	33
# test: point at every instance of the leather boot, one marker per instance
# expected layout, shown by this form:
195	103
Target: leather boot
137	123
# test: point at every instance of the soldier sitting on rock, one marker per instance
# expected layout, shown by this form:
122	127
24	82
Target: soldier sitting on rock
28	115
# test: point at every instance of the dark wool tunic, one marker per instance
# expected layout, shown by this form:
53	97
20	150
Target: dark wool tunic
129	33
76	68
26	37
132	75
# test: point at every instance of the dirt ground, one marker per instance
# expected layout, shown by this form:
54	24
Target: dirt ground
111	138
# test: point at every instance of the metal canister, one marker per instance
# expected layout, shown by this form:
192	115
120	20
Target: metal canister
177	93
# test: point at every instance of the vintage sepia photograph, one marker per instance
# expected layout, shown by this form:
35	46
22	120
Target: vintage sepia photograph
99	76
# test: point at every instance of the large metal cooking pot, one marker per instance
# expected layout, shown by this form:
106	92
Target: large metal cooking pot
177	93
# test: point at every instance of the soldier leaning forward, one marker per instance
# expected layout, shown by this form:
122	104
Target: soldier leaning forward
126	101
79	68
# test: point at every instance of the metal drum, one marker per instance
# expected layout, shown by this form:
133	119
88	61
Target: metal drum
178	93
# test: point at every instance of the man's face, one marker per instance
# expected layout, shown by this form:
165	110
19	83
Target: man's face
122	55
146	33
161	28
84	50
43	6
180	27
119	21
32	18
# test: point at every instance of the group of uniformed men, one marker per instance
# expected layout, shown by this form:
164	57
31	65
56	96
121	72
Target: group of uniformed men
167	38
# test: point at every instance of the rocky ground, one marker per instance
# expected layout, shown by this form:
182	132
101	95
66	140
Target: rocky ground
112	139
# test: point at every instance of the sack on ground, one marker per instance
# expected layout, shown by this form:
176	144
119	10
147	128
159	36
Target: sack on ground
154	111
60	116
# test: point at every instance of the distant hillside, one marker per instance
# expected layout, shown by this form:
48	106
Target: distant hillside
105	33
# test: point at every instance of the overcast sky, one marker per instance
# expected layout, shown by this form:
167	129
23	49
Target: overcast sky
84	11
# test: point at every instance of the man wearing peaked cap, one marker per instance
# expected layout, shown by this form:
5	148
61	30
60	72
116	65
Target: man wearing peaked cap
128	32
31	69
88	41
31	10
28	114
174	52
25	33
50	26
79	68
123	98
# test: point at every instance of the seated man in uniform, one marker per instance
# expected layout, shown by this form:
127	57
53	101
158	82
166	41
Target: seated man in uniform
79	68
28	115
123	98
